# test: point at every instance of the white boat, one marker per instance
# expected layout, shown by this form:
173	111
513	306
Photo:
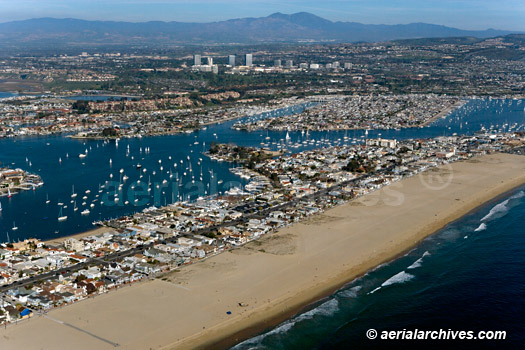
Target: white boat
73	194
61	217
47	199
14	227
82	155
85	212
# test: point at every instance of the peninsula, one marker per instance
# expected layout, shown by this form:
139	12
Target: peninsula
267	280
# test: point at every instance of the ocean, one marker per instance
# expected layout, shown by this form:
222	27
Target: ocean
468	276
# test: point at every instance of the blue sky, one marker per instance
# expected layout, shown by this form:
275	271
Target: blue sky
466	14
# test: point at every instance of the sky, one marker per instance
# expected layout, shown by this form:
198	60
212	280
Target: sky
464	14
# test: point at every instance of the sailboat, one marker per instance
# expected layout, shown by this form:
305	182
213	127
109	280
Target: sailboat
14	227
0	206
9	194
47	199
73	194
61	217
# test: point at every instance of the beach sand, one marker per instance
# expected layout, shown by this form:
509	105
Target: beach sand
60	240
276	276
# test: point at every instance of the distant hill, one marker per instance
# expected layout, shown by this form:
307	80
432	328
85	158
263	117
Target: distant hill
278	27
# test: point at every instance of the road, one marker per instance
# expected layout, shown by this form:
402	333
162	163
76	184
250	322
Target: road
69	270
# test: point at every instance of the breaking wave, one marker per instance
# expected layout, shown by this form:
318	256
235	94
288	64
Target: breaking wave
350	293
500	208
416	264
327	308
401	277
481	227
419	261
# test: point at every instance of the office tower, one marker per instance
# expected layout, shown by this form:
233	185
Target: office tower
197	60
215	69
348	65
231	60
336	64
289	63
277	63
249	59
210	61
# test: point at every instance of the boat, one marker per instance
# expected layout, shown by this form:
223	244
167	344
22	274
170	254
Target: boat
61	217
14	227
82	155
85	212
9	194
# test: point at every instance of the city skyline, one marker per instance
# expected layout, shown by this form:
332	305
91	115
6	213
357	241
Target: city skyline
461	14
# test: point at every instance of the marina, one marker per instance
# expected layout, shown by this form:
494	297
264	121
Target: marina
137	173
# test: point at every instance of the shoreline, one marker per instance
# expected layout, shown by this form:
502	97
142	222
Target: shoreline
227	342
92	232
446	111
278	276
275	315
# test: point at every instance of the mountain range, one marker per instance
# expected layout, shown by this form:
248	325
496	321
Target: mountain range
278	27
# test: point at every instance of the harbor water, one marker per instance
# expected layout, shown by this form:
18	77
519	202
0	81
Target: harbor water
174	166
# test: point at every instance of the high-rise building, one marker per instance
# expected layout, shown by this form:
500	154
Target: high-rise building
215	69
277	63
231	60
210	61
348	65
289	64
249	59
197	60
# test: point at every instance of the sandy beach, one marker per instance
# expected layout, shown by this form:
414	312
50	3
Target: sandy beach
94	232
268	280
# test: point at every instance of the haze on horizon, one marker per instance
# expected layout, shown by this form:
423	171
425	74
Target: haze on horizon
464	14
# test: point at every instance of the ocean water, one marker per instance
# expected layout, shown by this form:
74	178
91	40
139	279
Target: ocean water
468	276
34	218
